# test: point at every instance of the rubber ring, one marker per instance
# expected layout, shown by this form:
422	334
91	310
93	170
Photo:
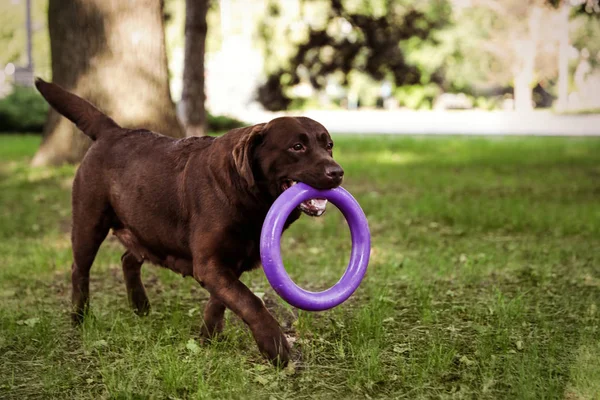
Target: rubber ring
270	248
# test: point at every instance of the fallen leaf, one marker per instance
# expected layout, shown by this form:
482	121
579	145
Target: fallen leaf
192	311
30	322
261	379
400	349
100	343
465	360
519	345
290	369
192	346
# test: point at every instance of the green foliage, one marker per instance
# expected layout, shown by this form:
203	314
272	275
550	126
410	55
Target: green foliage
362	37
24	110
582	111
483	284
300	104
487	103
469	47
222	123
473	58
480	50
585	34
417	97
13	36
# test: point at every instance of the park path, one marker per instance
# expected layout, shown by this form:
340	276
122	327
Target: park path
471	122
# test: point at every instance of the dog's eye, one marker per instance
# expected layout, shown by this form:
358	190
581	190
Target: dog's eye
329	145
298	147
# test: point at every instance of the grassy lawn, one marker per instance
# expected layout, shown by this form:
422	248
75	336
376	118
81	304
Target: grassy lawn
484	283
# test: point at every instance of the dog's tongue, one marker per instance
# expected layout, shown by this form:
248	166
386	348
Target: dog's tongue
315	207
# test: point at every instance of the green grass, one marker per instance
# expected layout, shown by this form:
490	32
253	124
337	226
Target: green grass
484	283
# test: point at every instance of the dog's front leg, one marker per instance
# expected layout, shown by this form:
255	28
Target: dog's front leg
225	287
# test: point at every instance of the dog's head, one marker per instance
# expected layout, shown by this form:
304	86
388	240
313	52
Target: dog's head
287	150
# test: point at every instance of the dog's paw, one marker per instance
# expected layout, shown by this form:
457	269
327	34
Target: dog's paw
77	318
273	344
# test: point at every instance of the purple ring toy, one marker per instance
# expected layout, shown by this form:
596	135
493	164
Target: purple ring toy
270	248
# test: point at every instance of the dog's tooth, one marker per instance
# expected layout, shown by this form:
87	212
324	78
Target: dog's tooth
320	203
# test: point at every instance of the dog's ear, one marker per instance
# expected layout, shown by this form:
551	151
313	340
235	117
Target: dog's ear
242	152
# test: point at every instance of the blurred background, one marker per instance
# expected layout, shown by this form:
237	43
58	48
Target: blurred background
363	66
484	274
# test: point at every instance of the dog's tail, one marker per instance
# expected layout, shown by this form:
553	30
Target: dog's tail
82	113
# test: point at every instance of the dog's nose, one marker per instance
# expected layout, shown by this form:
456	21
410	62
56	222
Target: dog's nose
334	172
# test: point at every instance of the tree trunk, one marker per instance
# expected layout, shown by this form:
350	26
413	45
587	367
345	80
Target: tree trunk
526	54
193	95
112	53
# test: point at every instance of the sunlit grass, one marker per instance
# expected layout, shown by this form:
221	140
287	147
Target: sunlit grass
484	283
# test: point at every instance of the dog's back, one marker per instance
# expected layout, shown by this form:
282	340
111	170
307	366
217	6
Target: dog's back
120	157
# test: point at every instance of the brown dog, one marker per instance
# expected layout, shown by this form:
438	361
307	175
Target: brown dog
194	205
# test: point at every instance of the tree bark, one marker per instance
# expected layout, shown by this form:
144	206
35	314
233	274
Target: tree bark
193	95
112	53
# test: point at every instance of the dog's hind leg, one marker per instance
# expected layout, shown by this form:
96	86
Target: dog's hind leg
135	288
92	219
90	227
214	313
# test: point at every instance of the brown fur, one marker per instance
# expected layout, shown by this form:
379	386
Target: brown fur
194	205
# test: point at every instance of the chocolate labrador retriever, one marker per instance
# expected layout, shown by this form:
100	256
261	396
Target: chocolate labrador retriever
193	205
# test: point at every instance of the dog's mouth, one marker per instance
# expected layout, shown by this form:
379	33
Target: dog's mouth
312	207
